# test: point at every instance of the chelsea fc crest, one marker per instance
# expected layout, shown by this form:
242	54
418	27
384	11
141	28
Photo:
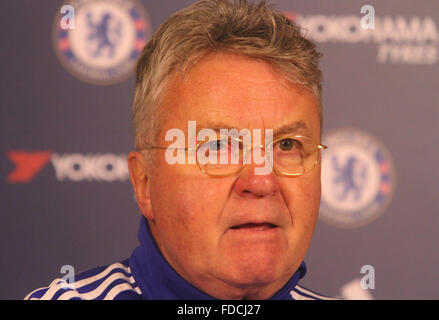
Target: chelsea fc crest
102	39
358	178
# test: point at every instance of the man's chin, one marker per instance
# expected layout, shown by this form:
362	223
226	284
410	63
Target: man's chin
248	273
255	260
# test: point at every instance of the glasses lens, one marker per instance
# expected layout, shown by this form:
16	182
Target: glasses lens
226	155
294	155
221	157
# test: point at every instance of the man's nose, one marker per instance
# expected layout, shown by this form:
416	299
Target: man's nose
254	185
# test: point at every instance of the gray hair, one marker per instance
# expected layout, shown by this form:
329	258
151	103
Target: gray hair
254	30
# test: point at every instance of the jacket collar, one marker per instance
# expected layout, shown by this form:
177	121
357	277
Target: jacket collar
158	280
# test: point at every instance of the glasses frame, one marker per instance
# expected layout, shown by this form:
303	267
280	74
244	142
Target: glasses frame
250	148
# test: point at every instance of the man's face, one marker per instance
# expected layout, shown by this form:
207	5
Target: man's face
192	214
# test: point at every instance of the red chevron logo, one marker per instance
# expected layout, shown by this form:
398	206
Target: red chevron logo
27	164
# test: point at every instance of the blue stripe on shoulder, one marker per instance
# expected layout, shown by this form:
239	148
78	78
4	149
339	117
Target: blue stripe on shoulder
305	294
38	294
95	271
111	286
319	296
92	286
128	295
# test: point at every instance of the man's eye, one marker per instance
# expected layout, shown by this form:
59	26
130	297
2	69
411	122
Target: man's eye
289	144
218	145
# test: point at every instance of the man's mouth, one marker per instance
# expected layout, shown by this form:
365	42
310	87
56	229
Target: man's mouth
254	226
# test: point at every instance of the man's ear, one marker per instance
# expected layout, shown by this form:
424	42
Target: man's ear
139	170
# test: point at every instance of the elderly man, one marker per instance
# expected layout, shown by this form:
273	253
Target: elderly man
219	229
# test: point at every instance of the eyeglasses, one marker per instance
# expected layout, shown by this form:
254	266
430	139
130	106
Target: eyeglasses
226	156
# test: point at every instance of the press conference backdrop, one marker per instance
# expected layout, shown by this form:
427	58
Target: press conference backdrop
65	128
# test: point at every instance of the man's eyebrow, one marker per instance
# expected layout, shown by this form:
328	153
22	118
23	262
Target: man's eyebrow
289	128
294	127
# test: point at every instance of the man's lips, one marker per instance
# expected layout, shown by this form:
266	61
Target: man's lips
254	226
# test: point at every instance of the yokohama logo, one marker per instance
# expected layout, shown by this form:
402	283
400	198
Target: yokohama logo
348	29
74	167
399	39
